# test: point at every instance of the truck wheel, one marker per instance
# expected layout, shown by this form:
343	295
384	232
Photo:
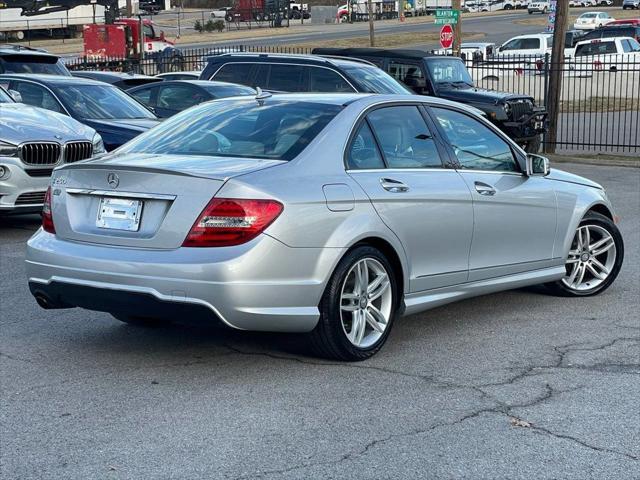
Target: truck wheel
533	145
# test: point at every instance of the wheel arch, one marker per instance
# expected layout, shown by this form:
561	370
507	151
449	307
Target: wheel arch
602	209
390	253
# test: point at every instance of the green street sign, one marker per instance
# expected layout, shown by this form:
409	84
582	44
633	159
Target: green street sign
447	16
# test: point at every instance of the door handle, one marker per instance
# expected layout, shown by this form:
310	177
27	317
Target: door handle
484	189
393	186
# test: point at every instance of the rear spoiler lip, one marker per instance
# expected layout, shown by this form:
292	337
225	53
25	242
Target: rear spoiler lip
165	171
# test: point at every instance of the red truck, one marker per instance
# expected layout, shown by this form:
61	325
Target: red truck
253	11
121	40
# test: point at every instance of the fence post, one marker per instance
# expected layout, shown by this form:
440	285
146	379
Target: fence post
545	93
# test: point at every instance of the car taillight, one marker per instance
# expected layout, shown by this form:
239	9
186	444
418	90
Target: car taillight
47	217
232	221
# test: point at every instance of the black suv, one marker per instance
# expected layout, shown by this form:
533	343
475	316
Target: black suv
19	59
447	77
610	31
300	73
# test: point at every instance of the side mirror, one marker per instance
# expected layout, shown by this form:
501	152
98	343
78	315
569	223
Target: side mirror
537	165
17	96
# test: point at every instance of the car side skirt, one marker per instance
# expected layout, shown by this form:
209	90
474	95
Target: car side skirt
420	301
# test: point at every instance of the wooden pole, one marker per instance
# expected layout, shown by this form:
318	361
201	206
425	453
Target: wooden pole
372	40
457	29
555	73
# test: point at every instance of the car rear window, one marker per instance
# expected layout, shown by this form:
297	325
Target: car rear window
250	129
596	48
374	80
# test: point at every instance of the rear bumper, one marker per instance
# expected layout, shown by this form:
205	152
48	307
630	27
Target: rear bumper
263	285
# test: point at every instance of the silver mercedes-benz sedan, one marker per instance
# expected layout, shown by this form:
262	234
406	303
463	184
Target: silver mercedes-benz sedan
326	214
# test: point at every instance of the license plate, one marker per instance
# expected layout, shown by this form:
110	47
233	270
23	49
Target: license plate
119	214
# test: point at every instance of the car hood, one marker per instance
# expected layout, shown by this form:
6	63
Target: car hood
476	95
218	168
20	123
138	125
562	176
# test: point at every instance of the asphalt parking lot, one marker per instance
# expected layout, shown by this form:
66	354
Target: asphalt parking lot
513	385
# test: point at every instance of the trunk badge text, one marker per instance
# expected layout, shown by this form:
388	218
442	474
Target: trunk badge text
113	180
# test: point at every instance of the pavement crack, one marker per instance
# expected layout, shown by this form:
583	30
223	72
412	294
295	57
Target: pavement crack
428	378
582	442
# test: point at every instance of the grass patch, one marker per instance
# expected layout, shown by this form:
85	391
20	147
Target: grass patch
390	40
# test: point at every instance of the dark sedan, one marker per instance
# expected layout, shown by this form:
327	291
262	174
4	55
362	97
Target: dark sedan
170	97
124	81
112	113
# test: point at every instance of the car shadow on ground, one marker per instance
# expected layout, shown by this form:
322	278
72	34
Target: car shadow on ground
187	339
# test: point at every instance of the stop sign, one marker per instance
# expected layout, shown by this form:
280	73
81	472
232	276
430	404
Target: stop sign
446	36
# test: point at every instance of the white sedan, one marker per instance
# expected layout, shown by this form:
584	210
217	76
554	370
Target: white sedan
592	20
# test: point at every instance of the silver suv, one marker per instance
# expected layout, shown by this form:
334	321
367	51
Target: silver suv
32	142
630	4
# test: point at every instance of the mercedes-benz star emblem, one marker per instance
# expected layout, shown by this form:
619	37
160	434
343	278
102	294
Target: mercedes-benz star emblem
113	180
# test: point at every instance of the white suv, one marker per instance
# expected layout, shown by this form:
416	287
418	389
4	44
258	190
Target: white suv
33	141
538	7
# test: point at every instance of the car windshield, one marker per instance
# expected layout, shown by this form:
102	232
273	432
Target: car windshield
444	70
4	97
272	129
98	102
221	90
32	64
374	80
589	15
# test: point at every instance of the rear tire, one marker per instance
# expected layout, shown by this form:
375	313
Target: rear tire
142	321
580	280
345	330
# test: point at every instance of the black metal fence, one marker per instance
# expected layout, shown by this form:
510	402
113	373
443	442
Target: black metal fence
600	98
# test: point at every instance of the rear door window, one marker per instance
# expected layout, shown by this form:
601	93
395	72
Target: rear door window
287	78
145	95
326	80
409	74
234	73
363	152
179	97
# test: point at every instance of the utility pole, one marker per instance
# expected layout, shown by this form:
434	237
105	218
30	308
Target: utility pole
129	8
457	28
372	40
555	71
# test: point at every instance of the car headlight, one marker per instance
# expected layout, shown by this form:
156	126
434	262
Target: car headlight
507	108
98	145
8	150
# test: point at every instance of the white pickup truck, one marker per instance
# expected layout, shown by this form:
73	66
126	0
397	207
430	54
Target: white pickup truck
535	45
612	54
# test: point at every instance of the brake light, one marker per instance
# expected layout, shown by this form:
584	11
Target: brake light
232	221
47	217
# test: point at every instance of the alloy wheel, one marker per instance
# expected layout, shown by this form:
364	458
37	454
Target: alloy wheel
591	259
366	302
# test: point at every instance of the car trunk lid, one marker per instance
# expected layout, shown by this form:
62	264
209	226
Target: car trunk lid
142	201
